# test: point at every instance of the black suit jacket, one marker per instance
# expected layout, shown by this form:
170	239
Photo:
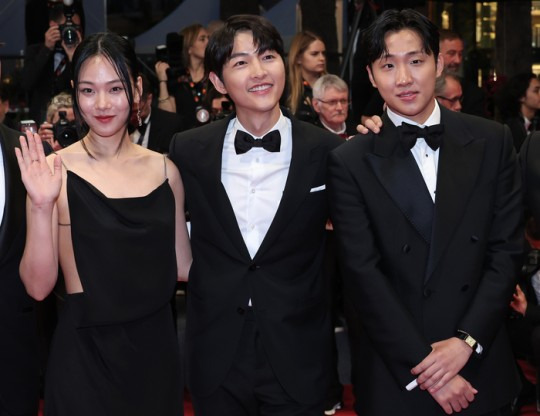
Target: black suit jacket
529	156
19	374
284	279
163	126
419	271
40	81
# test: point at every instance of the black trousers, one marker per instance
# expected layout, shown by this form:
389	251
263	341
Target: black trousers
251	387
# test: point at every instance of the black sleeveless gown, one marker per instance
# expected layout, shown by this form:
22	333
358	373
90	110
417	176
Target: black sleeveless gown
115	350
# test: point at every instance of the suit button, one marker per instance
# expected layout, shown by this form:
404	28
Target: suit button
427	292
240	310
474	238
465	288
254	267
406	248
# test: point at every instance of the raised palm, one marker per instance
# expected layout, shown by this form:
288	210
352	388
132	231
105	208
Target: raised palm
42	184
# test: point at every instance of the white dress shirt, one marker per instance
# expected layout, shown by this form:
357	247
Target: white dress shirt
426	158
255	181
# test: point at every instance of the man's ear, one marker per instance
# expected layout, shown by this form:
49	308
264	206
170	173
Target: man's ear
316	105
439	62
218	84
371	79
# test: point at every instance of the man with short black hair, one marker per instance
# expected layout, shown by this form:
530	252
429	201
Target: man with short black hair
427	216
258	330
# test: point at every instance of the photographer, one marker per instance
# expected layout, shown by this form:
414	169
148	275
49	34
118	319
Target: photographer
59	128
182	90
47	65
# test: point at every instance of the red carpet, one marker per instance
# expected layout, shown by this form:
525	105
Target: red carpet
529	410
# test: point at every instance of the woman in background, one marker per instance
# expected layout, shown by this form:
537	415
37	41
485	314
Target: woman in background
183	91
518	102
112	214
306	63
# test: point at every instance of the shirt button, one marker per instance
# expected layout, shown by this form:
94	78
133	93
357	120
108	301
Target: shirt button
253	191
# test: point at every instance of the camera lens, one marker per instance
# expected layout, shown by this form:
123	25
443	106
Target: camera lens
69	35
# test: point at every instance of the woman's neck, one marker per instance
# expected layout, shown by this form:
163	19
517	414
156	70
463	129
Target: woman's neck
310	77
196	69
106	148
527	112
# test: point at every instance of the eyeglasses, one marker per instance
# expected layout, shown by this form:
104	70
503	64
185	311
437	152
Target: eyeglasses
451	100
334	103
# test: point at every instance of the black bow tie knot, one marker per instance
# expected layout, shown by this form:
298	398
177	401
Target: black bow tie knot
409	133
243	142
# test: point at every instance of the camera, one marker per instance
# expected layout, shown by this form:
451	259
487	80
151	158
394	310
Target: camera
64	131
172	54
68	30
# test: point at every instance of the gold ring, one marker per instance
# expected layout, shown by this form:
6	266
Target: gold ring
35	160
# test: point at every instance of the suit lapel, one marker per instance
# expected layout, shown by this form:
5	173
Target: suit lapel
460	160
14	206
305	161
399	174
209	162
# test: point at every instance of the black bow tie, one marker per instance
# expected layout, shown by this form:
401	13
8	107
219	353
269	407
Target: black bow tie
243	142
431	134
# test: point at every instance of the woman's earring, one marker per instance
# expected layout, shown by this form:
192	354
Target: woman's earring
139	121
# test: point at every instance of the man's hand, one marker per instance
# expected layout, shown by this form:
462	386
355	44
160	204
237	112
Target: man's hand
52	35
446	359
373	123
519	301
455	395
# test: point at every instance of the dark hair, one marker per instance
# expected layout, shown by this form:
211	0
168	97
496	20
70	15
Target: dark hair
509	96
120	55
394	21
221	43
445	34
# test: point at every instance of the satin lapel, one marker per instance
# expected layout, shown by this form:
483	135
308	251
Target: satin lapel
398	173
460	159
305	162
209	159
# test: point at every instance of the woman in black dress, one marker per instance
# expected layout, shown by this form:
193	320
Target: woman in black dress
306	63
112	214
183	90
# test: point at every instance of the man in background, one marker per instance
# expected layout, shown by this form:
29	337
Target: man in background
19	375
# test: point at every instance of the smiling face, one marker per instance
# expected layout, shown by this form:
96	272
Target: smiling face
313	60
405	77
253	80
102	98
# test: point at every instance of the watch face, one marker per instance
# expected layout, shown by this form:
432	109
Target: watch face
470	341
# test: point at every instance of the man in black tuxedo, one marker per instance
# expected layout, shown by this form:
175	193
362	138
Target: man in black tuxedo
19	375
157	126
258	321
428	224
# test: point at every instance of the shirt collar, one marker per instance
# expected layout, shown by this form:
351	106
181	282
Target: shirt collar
340	131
